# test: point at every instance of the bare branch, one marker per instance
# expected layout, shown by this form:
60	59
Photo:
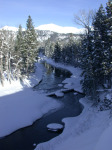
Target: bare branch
84	19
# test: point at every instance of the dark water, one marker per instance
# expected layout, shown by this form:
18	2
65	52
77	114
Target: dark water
51	78
24	139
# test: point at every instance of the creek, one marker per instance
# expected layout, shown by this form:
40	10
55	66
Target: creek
27	138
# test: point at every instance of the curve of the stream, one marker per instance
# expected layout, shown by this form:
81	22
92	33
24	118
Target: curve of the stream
27	138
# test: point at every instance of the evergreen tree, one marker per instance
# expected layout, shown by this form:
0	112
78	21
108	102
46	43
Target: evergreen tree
57	52
109	40
87	61
19	54
30	46
7	54
100	45
1	58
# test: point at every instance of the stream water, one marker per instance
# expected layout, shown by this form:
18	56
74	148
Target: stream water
25	138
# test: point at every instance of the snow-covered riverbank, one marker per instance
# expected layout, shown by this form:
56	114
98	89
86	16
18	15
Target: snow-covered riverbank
89	131
20	106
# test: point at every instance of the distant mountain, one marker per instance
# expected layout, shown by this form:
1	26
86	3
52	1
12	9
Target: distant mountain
50	27
60	29
9	28
52	32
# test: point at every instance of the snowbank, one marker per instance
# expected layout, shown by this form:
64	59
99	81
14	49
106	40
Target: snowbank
54	127
20	106
36	77
70	83
88	131
82	132
8	88
22	109
59	93
16	85
105	142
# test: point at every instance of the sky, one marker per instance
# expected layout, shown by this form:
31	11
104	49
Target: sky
59	12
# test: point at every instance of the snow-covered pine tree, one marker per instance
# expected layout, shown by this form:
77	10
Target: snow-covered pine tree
109	40
89	83
100	45
30	46
19	54
69	51
1	58
7	49
57	52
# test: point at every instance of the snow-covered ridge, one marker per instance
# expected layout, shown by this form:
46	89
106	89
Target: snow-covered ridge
60	29
50	27
9	28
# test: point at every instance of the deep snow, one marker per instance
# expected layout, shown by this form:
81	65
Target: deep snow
92	130
20	106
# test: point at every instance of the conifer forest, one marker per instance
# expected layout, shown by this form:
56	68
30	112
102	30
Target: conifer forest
92	51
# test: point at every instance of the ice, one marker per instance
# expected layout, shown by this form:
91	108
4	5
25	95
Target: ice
60	85
54	127
59	93
34	144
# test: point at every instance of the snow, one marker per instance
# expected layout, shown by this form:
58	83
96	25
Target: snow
105	140
17	86
20	106
70	83
54	126
8	88
9	28
50	27
91	130
36	77
60	85
34	144
83	132
22	109
75	93
59	93
60	29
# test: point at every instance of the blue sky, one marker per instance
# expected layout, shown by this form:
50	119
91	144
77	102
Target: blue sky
60	12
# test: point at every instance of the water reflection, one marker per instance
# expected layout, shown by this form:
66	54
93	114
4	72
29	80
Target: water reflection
51	78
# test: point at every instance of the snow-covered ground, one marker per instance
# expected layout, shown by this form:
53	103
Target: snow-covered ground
70	83
92	130
20	106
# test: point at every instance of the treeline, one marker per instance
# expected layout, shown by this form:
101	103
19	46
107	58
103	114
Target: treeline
92	52
63	50
18	52
96	53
